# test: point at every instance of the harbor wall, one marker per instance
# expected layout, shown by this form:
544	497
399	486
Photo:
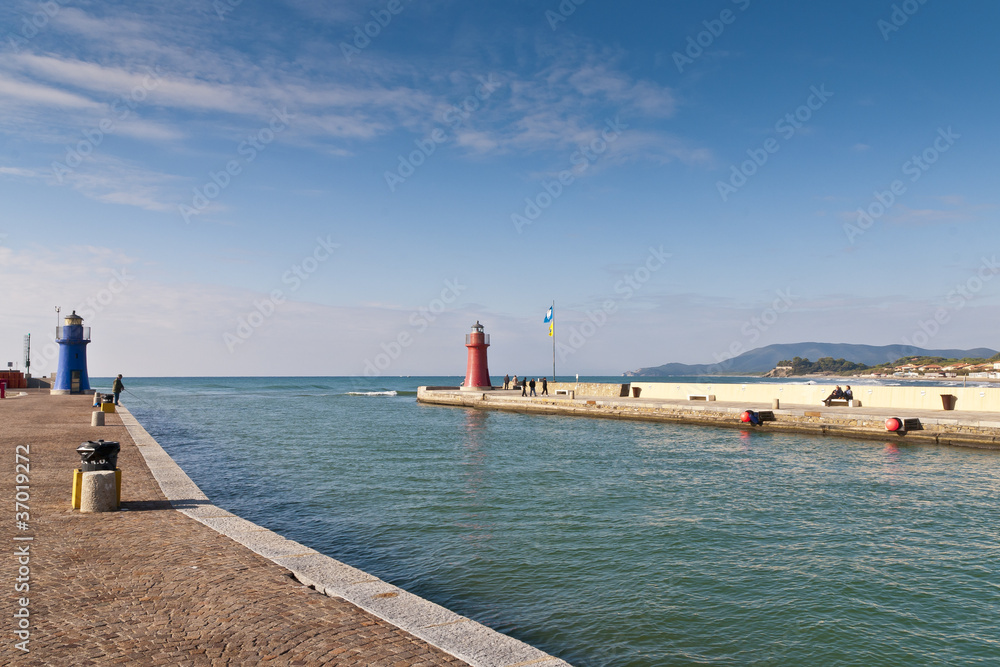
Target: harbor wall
609	389
979	399
931	426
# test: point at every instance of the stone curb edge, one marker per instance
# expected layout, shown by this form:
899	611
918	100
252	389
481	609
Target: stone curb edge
456	635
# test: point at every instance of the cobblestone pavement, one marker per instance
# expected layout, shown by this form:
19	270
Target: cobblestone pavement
147	585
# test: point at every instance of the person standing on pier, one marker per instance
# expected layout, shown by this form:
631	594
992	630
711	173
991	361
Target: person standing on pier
524	387
532	385
506	381
545	386
117	388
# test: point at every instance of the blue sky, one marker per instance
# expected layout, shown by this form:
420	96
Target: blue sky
301	187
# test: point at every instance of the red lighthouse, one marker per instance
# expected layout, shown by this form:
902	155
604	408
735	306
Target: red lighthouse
477	375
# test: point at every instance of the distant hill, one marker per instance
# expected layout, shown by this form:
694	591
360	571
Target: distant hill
763	359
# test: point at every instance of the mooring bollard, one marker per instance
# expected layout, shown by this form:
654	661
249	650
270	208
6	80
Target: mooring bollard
99	456
775	404
97	419
98	492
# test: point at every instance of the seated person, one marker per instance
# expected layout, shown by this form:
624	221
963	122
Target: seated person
837	393
848	394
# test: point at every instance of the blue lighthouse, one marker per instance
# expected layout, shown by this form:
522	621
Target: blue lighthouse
71	375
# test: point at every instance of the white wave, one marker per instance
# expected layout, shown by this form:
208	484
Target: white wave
371	393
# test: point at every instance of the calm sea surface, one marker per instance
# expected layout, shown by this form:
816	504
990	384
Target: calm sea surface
609	542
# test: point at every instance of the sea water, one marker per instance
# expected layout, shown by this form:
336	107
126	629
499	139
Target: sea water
608	542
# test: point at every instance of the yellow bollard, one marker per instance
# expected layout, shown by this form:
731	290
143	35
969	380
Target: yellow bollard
77	484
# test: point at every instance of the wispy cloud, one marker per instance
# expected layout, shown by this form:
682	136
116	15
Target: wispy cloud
34	94
23	173
904	215
206	90
117	181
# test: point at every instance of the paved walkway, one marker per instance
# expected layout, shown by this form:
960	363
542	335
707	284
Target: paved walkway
149	585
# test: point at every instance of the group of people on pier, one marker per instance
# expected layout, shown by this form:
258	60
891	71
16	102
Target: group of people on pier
526	385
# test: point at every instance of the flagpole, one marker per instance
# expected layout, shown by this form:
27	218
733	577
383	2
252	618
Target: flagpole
553	340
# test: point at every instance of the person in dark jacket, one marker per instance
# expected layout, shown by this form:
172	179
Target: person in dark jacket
532	385
545	386
117	388
506	381
837	393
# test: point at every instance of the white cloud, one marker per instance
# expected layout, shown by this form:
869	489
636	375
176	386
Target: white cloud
148	130
79	74
479	142
562	104
116	181
33	94
25	173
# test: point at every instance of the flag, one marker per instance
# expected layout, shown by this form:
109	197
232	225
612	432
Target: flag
548	316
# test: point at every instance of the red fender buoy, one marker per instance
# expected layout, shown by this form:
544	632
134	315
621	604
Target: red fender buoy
745	417
893	424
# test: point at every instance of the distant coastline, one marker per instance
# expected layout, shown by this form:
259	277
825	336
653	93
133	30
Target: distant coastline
843	379
844	359
945	380
821	378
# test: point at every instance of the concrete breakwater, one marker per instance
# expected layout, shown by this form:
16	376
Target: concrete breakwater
800	408
927	399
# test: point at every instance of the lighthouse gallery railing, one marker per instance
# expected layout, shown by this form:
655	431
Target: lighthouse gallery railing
86	333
